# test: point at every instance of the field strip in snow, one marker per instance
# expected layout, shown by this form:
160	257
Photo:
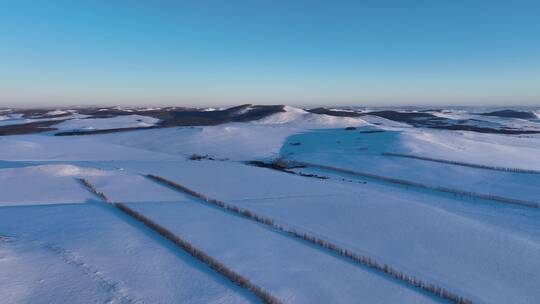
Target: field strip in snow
29	269
115	288
214	264
463	164
217	266
41	185
355	258
290	269
124	251
459	246
403	182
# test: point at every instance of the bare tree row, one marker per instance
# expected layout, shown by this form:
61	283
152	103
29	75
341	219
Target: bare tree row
452	162
403	182
200	255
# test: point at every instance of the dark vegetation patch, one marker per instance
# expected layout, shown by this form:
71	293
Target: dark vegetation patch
281	166
507	131
511	114
171	117
107	112
412	118
350	128
29	128
243	113
295	143
338	113
432	110
178	116
277	164
196	156
40	113
310	175
372	131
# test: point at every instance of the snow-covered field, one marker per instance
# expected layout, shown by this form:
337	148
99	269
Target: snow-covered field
125	121
60	243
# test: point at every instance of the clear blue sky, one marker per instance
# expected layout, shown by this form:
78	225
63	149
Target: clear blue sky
375	52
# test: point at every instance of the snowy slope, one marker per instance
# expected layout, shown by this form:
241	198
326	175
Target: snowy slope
291	271
35	269
114	257
363	152
69	148
47	184
236	141
125	187
457	250
487	149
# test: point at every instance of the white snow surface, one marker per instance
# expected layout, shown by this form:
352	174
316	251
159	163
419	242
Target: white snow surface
41	273
46	184
57	112
121	121
235	141
70	148
60	244
125	187
486	149
457	245
362	152
303	119
91	253
289	270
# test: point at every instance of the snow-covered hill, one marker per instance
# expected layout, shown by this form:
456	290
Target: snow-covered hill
383	205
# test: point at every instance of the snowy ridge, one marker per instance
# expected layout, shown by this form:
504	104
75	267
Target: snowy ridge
64	170
300	118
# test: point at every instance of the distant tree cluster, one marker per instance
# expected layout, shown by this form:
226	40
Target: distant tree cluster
359	259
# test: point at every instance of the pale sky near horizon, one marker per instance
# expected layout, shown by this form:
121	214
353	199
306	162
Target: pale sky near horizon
195	53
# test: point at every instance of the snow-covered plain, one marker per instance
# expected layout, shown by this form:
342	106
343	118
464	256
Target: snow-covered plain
60	244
